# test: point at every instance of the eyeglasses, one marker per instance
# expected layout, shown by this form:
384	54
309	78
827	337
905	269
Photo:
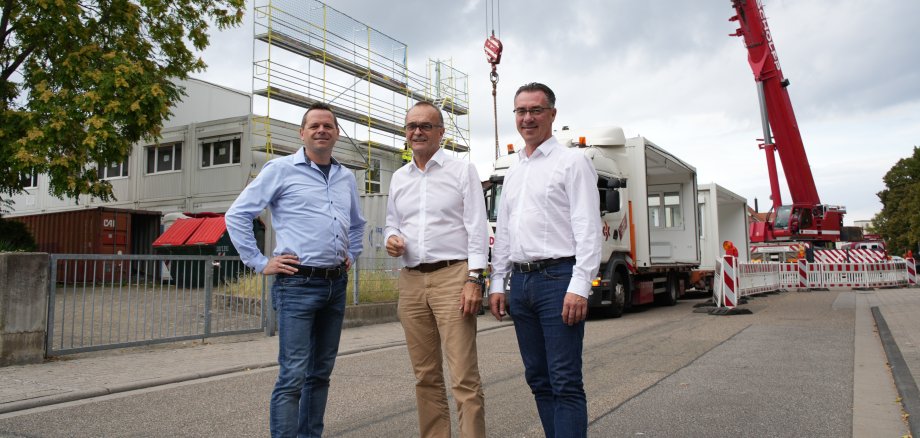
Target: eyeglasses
425	127
535	111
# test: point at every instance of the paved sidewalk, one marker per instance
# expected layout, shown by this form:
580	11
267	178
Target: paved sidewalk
109	372
900	309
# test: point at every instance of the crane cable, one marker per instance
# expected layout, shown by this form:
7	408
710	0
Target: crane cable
493	49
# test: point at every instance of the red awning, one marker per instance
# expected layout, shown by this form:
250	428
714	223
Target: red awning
179	232
210	231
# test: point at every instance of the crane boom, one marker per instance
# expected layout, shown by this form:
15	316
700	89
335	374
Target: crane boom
806	218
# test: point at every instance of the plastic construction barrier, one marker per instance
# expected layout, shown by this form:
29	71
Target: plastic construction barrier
911	272
725	293
737	280
757	278
867	275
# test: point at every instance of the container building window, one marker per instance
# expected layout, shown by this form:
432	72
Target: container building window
28	180
114	170
164	158
220	151
372	176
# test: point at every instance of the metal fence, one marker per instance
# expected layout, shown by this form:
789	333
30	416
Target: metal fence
109	301
100	302
374	280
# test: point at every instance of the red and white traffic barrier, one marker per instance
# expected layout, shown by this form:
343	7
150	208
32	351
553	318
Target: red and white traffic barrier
911	272
757	278
726	295
823	275
803	274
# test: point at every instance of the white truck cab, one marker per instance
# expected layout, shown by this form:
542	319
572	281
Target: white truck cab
648	214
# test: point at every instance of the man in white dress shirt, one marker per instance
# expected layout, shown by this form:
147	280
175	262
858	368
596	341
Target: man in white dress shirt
548	237
436	221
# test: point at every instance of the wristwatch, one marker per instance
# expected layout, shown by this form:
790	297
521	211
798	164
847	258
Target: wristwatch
476	278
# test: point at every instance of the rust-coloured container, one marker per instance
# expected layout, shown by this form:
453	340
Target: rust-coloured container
99	230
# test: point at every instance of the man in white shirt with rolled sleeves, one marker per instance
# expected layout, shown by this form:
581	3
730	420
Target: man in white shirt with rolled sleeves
436	221
548	238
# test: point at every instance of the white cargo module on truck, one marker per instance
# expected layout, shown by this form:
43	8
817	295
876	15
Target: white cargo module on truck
723	216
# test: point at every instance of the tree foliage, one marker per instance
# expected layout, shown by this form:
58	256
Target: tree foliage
81	81
899	221
15	236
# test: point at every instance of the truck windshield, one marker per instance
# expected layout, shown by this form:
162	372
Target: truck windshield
493	196
782	217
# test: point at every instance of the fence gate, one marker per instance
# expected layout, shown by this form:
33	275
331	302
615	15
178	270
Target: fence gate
99	302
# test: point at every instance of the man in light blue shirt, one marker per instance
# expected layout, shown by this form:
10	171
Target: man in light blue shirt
319	228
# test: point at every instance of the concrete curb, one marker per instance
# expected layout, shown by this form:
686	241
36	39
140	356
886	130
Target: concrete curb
907	387
124	387
369	314
133	386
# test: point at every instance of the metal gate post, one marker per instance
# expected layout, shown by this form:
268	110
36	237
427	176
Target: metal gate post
208	292
354	290
268	311
52	291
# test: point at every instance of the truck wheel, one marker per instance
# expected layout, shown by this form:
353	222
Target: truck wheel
669	298
618	295
673	287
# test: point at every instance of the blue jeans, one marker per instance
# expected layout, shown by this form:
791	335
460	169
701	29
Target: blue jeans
550	349
310	314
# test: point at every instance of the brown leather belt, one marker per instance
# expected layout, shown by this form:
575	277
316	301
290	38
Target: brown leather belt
434	266
539	265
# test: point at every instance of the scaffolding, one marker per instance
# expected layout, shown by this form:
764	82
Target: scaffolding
307	51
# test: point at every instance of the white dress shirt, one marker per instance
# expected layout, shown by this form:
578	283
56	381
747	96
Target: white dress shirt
549	208
440	212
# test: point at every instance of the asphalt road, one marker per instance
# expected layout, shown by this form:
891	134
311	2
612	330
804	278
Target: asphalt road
786	370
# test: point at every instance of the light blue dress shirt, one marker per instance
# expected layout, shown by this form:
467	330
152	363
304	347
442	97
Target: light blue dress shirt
317	220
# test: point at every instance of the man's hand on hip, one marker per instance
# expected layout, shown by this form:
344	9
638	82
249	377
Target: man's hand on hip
574	308
396	246
282	264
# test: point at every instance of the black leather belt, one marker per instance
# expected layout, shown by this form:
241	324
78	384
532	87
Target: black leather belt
325	273
539	265
433	266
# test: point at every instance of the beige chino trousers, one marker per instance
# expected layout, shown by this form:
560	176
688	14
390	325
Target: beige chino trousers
429	310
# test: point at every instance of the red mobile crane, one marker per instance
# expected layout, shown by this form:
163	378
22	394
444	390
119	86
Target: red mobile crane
806	218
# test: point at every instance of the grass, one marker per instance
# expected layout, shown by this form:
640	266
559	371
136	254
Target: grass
375	287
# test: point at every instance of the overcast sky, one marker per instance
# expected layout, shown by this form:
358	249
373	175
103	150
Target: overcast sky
670	72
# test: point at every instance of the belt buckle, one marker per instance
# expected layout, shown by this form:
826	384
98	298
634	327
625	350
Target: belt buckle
528	267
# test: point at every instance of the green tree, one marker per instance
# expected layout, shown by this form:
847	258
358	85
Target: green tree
81	81
899	221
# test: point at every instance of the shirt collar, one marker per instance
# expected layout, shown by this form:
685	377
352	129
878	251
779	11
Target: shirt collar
438	157
301	158
546	148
